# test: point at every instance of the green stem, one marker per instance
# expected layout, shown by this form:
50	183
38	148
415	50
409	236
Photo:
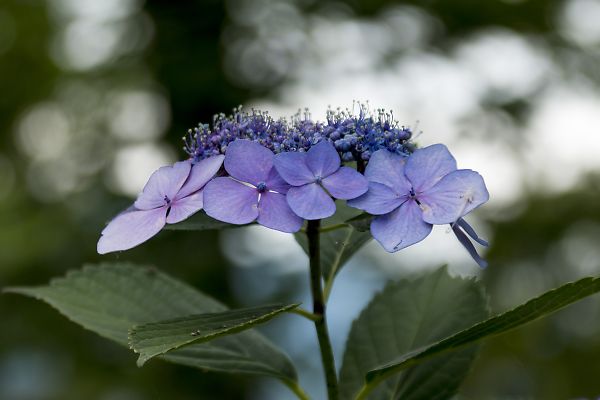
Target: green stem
312	233
367	388
360	165
306	314
294	387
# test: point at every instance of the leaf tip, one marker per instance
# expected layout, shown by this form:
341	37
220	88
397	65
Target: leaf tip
9	289
22	290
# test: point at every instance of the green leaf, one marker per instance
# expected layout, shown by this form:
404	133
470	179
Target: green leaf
199	222
111	298
361	222
407	315
150	340
339	244
536	308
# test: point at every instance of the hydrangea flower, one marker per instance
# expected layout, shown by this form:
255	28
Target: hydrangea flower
254	191
172	194
408	195
315	176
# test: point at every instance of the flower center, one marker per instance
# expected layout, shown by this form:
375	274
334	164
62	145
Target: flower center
261	187
318	179
167	199
413	196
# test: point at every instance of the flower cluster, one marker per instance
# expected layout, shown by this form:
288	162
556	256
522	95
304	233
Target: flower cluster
355	136
278	175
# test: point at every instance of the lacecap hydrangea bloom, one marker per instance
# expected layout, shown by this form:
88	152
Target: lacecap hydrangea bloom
279	173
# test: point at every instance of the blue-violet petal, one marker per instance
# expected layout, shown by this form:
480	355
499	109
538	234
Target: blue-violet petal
400	228
230	201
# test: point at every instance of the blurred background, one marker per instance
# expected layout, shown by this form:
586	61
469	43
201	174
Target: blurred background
95	95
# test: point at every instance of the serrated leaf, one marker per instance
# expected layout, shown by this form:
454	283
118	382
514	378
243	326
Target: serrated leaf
536	308
199	222
111	298
406	315
153	339
339	245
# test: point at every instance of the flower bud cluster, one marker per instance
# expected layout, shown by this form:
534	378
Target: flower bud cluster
355	135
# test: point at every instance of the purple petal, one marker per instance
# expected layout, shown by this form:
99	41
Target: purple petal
455	195
276	183
388	168
310	201
184	208
164	182
400	228
464	240
230	201
378	200
200	174
346	183
248	161
323	159
130	229
426	166
275	213
293	169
